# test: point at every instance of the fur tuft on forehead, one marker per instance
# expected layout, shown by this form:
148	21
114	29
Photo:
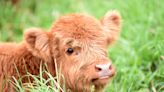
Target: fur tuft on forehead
78	26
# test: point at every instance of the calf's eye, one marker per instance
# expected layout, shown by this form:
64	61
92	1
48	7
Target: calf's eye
70	50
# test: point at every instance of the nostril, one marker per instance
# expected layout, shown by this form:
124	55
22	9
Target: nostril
110	67
98	68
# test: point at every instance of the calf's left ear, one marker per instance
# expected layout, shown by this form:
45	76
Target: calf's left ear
37	42
112	25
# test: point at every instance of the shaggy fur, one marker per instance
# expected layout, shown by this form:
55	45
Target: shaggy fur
87	37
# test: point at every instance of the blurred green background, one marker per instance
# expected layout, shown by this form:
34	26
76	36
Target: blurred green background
139	53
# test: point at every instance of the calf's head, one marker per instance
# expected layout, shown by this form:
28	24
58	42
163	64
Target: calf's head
79	45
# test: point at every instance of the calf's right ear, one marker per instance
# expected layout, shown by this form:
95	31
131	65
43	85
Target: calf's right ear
37	42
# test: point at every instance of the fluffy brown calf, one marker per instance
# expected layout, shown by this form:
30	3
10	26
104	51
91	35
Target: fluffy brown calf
77	42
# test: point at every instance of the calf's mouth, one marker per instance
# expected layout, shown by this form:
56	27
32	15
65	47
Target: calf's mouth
102	78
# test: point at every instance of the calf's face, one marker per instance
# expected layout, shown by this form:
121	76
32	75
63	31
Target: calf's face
79	45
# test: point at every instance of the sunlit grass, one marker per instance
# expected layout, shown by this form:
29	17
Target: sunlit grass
43	82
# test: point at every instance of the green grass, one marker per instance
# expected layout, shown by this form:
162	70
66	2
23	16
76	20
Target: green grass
139	53
39	83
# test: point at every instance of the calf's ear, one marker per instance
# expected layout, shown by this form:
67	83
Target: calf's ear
37	42
112	25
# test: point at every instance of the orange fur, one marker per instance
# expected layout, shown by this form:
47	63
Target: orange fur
87	37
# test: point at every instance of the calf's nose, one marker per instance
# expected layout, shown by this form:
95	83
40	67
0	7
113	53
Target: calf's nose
105	69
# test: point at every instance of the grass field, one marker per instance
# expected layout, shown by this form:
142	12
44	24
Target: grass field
139	53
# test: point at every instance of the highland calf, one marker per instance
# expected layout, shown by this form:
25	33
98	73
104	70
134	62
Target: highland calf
78	44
